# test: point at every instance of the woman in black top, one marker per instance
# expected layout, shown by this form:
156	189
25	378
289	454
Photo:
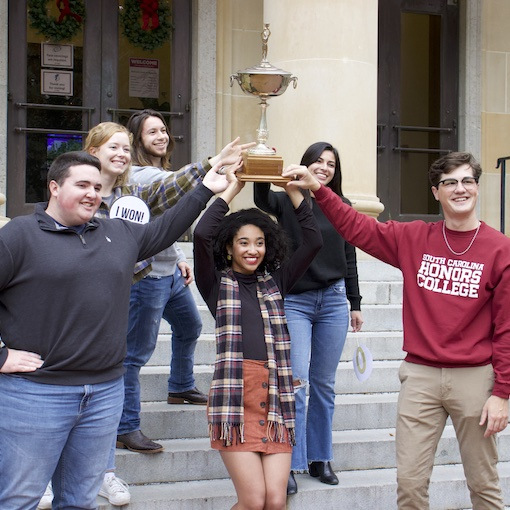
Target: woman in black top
318	317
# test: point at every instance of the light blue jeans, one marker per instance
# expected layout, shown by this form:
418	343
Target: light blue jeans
59	433
151	299
318	321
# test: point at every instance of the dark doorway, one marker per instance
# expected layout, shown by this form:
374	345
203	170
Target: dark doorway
418	83
59	89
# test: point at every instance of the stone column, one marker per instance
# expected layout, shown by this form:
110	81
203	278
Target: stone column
239	24
331	46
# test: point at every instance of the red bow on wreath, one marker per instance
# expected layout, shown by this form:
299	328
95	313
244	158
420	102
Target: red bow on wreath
149	13
65	10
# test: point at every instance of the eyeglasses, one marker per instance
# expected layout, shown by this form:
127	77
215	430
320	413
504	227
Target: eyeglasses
451	184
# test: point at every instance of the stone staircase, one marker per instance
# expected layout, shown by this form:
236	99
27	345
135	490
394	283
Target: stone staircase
188	475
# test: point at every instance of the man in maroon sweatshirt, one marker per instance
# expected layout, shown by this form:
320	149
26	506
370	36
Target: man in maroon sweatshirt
456	327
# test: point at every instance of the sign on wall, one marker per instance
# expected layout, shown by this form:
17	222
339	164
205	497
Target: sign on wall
57	55
144	77
55	82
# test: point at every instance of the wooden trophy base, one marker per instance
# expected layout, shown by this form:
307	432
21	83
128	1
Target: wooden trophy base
262	168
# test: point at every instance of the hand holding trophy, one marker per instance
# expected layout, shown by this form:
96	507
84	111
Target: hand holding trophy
261	164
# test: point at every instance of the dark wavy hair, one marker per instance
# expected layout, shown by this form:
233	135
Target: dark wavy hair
313	153
276	240
140	155
451	161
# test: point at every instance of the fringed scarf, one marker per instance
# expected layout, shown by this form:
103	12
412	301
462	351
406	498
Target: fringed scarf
226	407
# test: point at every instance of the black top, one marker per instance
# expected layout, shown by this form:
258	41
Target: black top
335	260
208	278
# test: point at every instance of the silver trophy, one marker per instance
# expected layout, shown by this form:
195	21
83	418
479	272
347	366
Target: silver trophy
264	80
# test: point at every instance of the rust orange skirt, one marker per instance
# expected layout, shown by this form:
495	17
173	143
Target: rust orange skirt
256	402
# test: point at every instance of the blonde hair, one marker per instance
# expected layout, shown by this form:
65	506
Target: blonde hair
99	135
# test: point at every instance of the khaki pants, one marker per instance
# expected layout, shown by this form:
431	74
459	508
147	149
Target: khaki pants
427	397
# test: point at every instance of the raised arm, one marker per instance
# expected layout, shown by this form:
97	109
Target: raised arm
311	243
380	240
165	193
266	199
166	229
206	276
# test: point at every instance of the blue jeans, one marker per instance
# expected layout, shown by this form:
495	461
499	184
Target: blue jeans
318	322
151	299
59	433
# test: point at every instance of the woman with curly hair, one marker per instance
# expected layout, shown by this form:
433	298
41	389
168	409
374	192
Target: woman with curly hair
242	272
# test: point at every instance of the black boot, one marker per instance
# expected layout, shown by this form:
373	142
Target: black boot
291	484
323	471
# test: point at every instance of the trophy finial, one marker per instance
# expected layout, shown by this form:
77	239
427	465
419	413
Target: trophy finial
265	36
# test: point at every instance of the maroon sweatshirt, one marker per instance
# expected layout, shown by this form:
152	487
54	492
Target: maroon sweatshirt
456	308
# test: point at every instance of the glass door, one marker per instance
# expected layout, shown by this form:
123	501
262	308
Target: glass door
418	83
73	64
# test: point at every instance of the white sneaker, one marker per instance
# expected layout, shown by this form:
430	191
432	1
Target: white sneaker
115	490
47	498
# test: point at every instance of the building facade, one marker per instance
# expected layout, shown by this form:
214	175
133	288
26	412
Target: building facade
391	83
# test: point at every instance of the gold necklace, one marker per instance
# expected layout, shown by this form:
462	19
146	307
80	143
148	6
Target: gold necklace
470	244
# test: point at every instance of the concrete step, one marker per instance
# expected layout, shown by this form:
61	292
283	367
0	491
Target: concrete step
376	318
367	411
357	490
353	450
382	292
384	378
384	345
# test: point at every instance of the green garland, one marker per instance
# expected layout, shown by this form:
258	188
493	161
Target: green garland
151	38
52	28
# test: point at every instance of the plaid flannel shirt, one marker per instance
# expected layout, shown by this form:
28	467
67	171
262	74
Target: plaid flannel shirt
159	196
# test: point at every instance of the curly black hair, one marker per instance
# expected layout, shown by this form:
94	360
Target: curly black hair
276	239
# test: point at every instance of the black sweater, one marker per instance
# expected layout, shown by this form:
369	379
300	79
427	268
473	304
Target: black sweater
65	295
335	260
208	279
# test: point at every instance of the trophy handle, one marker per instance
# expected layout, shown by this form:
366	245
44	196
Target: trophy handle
293	79
234	77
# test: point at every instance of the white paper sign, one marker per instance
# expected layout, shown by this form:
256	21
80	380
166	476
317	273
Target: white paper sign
363	362
55	82
57	55
130	208
144	77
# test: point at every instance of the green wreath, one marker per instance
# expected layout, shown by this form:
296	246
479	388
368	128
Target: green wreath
72	15
145	26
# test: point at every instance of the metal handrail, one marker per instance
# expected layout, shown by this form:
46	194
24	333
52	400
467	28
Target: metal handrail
425	129
50	131
58	107
54	107
380	129
502	164
130	111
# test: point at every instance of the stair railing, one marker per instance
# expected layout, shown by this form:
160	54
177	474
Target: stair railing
502	164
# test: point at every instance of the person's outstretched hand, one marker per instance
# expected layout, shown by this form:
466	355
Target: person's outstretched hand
300	177
231	152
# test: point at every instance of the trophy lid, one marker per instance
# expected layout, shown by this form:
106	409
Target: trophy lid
265	67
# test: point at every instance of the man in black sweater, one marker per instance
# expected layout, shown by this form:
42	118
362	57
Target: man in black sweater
65	279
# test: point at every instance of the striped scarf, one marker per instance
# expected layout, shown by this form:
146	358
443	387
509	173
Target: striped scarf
226	408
